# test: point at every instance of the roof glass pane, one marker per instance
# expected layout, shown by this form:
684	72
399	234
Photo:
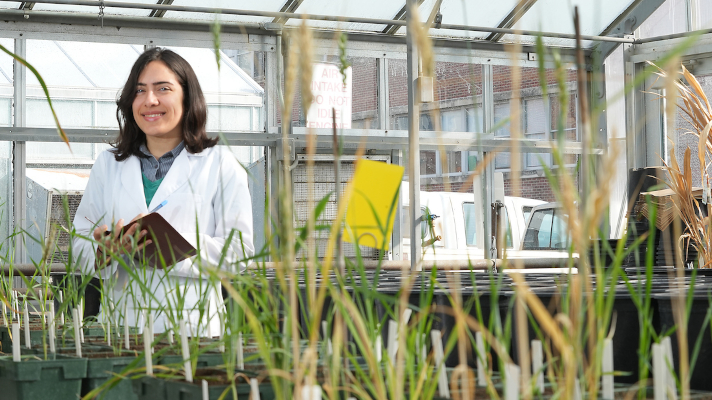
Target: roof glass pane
361	9
10	4
6	62
558	15
457	12
94	9
262	5
53	64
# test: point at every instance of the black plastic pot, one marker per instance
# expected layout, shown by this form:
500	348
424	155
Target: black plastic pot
59	378
699	379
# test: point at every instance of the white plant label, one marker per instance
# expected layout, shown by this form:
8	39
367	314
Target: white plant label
607	370
437	343
481	357
16	342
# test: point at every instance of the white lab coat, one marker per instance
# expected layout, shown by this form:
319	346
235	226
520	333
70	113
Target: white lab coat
207	197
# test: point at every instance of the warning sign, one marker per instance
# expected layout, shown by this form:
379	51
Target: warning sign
330	93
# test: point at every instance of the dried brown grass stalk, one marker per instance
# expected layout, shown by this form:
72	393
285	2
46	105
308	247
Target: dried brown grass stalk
697	112
306	49
515	130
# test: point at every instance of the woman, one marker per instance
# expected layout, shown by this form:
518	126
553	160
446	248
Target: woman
164	154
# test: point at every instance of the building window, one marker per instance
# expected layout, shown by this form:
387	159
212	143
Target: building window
535	123
428	162
541	118
501	125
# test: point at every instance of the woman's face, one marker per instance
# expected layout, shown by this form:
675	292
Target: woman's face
158	105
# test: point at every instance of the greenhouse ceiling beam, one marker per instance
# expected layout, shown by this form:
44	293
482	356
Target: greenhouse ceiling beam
160	13
148	31
651	51
392	29
352	138
512	18
377	21
290	6
167	32
27	5
626	23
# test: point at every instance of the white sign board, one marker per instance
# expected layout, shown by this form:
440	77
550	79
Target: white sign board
330	94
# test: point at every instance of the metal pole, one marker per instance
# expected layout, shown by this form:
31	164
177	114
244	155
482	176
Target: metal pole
384	123
413	144
19	153
316	17
486	195
631	114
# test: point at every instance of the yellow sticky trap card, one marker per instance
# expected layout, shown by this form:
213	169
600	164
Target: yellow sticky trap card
372	205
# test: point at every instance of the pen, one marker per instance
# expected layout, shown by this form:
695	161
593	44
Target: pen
158	207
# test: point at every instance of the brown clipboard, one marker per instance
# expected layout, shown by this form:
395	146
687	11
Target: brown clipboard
165	241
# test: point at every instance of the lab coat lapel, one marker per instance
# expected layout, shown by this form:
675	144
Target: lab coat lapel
132	182
177	176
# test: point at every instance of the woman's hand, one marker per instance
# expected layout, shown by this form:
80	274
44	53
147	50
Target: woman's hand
115	243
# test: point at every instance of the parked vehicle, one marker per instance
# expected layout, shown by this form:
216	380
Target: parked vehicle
546	229
453	225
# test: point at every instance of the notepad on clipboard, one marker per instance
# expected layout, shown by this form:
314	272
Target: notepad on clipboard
165	241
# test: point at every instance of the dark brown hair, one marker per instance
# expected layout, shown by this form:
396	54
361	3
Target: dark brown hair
195	110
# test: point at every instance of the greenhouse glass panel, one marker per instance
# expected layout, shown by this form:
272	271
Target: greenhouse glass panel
5	168
55	66
540	114
6	64
466	13
227	118
5	194
5	111
475	119
685	138
557	15
106	115
363	9
229	79
669	18
704	14
10	4
458	88
95	10
263	5
364	94
56	154
71	113
106	65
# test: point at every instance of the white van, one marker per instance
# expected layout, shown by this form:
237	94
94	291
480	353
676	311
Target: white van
459	226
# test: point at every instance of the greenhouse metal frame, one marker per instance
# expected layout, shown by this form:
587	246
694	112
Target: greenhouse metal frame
26	21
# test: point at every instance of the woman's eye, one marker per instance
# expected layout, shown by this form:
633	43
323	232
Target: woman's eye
165	89
139	91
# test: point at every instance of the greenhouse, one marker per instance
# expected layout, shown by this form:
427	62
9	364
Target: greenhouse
471	199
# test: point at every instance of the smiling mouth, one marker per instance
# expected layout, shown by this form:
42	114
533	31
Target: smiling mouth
153	115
